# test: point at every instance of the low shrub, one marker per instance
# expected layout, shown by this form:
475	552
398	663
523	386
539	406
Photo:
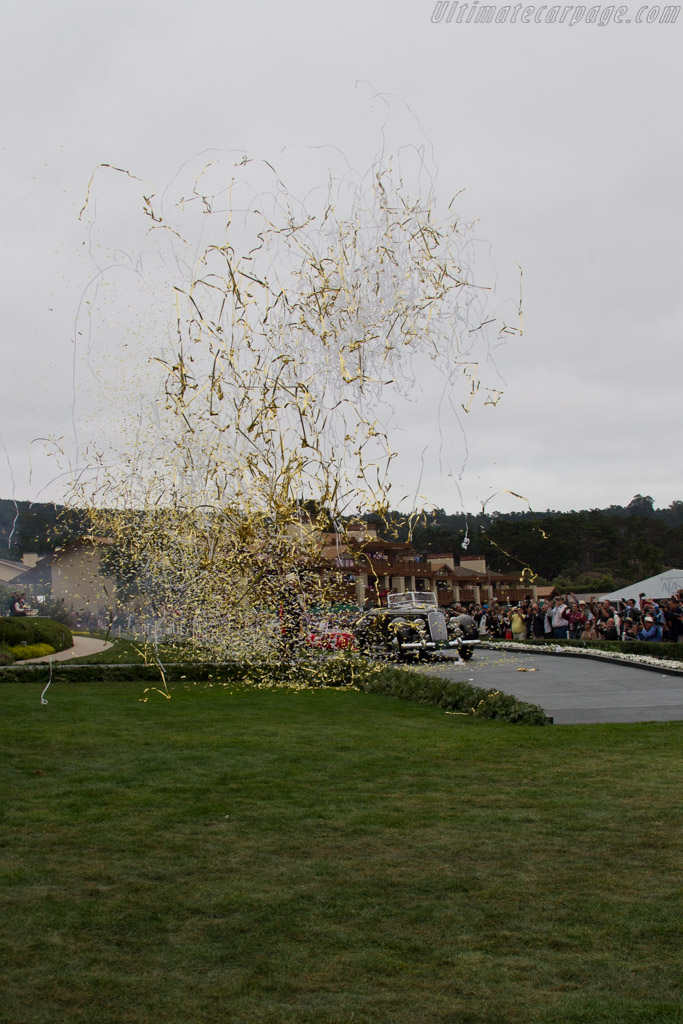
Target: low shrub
23	651
35	630
451	695
6	656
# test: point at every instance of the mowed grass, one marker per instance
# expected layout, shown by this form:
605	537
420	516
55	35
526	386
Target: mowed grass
329	857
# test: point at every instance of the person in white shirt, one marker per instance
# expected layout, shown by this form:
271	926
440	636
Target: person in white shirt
558	619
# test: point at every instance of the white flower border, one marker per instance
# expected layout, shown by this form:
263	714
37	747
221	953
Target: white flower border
635	659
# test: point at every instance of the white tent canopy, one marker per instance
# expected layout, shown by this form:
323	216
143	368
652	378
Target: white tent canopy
655	587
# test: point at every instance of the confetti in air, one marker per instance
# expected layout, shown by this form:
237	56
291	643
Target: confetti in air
250	401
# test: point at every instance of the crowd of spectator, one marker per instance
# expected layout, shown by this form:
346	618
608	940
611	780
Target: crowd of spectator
562	617
566	617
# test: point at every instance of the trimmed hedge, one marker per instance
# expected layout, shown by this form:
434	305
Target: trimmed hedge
453	696
672	652
35	630
405	684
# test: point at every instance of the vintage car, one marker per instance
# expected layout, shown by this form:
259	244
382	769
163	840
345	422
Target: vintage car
332	639
413	627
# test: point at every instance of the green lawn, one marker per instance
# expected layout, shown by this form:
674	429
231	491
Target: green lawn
130	652
331	857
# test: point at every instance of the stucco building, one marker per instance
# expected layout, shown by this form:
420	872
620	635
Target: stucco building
71	574
373	567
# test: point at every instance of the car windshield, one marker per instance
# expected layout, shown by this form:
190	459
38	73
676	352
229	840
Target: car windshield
412	599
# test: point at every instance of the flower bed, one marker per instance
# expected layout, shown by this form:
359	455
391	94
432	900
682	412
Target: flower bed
22	652
649	655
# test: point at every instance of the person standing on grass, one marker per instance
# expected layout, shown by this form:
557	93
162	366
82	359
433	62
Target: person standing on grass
650	630
559	619
608	630
548	624
630	629
538	621
573	616
604	612
517	624
579	618
674	619
589	632
485	623
632	611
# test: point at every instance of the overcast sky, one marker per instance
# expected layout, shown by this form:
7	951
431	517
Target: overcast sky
566	139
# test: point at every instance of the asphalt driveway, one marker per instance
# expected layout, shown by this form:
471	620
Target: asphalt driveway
575	689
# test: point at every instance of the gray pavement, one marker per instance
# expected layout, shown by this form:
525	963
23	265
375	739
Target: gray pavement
83	646
574	689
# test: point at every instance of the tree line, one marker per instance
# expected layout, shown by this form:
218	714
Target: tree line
594	549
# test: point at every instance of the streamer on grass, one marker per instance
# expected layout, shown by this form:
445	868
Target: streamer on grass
43	698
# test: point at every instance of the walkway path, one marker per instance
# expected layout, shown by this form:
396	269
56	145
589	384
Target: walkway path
575	690
83	646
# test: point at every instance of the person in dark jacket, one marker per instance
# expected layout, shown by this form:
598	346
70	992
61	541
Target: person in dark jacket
608	630
538	621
